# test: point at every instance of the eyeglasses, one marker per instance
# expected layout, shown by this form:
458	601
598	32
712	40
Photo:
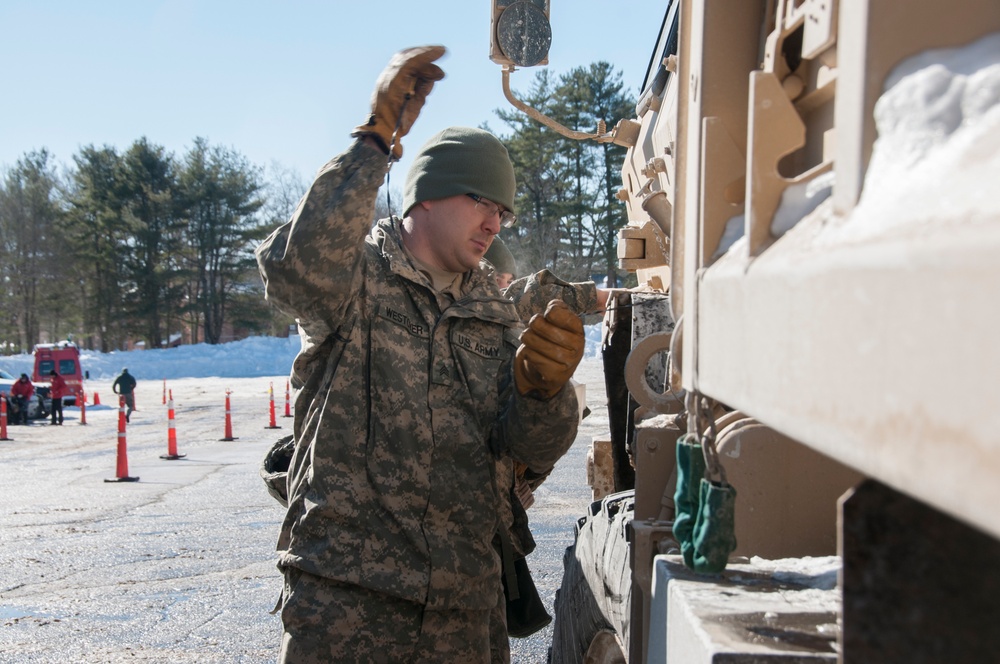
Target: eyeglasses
507	218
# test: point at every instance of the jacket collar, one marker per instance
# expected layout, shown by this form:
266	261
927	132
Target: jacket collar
480	296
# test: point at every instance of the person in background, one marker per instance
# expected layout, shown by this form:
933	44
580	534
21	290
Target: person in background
58	391
21	393
125	386
504	266
415	378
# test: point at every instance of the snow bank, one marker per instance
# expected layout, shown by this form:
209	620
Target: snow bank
249	358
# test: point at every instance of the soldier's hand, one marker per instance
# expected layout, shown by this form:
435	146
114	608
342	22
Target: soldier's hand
551	348
399	94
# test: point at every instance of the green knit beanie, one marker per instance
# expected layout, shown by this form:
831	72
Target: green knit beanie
499	257
460	160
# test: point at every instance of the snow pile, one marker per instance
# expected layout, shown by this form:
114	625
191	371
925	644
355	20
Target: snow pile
938	143
248	358
800	199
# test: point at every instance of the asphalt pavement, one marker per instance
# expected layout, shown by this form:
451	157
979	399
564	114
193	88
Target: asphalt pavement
178	566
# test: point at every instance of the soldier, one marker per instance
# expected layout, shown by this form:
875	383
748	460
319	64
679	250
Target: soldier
413	383
505	269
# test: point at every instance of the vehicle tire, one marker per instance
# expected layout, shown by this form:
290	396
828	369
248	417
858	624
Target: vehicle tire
606	648
597	560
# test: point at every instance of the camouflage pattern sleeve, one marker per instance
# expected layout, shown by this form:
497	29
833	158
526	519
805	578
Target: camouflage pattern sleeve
533	431
531	294
540	432
311	265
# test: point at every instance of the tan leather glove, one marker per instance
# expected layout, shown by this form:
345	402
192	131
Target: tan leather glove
551	348
401	89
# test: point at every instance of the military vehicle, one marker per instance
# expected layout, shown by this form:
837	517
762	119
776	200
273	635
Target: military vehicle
809	188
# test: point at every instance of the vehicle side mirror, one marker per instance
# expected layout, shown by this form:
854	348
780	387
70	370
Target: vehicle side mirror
520	33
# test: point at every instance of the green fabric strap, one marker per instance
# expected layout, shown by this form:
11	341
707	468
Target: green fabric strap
704	524
714	536
690	468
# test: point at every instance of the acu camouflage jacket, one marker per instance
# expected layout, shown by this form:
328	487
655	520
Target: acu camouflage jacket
406	403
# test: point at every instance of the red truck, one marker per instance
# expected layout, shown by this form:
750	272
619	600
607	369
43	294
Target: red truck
64	357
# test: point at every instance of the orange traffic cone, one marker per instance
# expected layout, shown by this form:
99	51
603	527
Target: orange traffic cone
164	391
83	408
171	432
273	424
288	401
229	420
3	416
121	474
97	399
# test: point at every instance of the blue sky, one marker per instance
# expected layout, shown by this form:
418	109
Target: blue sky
276	81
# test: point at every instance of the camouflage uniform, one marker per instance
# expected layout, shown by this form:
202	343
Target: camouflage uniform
406	404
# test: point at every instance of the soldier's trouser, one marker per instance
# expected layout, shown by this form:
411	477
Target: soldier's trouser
327	621
499	641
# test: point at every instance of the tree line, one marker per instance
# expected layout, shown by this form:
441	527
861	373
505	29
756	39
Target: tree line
567	207
142	244
133	245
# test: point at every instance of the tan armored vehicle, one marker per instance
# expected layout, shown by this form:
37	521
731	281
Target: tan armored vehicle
811	194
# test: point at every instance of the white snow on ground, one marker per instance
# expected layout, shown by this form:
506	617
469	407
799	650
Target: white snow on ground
255	356
248	358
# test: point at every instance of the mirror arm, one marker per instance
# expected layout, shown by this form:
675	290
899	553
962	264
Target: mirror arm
544	119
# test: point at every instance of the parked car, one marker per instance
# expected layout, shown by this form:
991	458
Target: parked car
36	408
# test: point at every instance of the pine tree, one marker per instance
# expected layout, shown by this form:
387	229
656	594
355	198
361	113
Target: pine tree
568	213
30	213
222	191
